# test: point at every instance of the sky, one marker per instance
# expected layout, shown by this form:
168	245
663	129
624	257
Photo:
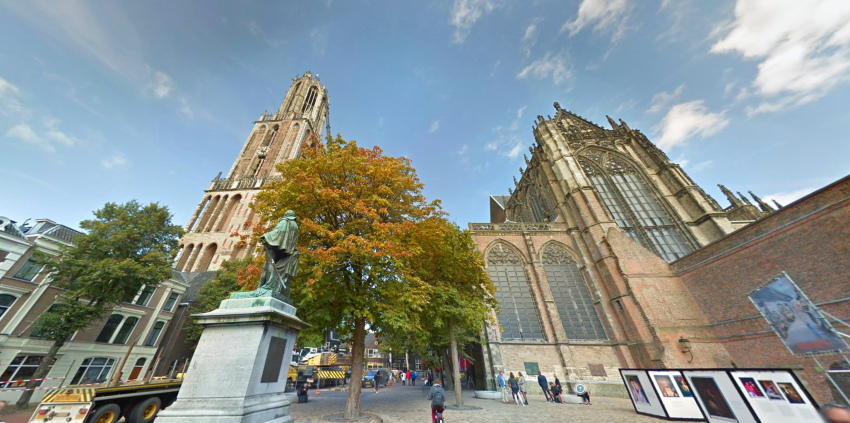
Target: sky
111	101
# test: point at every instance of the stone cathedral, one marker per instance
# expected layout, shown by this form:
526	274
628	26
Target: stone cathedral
579	255
224	208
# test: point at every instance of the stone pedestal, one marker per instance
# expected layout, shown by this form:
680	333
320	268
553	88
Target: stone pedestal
239	369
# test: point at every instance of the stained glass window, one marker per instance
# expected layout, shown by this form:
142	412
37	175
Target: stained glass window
636	211
572	296
519	317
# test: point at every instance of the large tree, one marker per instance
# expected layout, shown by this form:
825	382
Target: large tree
125	247
461	293
355	207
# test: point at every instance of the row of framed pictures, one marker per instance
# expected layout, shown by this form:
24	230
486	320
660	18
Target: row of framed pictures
720	395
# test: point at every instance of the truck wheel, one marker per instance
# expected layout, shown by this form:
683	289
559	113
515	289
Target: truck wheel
107	413
145	411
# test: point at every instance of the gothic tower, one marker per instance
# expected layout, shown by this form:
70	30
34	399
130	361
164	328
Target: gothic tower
224	208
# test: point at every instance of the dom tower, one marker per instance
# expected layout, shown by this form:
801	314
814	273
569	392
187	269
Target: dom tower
224	208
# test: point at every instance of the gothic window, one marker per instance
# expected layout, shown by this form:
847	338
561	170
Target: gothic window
633	206
572	297
310	100
292	98
519	317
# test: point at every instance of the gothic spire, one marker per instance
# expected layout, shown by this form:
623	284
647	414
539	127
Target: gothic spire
746	200
764	206
731	197
613	124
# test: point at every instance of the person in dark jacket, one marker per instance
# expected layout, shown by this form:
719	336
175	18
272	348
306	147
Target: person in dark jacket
438	400
544	385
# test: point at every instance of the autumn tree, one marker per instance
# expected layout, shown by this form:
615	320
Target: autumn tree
125	247
461	294
355	208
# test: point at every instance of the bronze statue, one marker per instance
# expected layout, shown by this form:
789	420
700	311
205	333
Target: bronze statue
281	245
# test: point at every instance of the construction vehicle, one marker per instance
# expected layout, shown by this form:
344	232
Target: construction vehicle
324	369
135	402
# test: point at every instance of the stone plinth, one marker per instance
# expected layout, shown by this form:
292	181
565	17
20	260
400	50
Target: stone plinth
239	370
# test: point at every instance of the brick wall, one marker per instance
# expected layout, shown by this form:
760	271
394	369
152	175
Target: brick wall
810	241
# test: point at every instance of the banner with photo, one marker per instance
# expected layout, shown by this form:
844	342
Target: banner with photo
717	396
776	395
642	393
795	319
676	394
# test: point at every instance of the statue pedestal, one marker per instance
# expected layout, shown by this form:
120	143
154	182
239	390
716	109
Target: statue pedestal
239	370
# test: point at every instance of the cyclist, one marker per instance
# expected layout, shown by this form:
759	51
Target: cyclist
438	401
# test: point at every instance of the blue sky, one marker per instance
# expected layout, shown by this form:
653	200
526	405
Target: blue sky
110	101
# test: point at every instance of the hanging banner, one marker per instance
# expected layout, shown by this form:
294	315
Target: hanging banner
794	318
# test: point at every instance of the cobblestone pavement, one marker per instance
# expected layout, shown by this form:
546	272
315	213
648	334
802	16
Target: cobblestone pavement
403	404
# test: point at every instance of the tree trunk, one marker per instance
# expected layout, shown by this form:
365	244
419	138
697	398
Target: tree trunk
352	405
40	372
455	366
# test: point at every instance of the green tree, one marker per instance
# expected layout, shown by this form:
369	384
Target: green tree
210	296
356	208
126	246
461	294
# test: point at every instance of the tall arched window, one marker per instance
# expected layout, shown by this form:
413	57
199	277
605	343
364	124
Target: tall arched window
519	317
310	100
633	206
571	295
126	329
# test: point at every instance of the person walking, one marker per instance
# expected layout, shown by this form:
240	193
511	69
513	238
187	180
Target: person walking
544	385
408	377
521	383
403	376
413	378
515	389
377	380
438	400
500	379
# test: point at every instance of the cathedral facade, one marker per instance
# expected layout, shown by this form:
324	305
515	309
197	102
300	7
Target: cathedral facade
224	208
580	255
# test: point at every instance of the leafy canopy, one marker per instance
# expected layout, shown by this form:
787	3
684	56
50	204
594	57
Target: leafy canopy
125	247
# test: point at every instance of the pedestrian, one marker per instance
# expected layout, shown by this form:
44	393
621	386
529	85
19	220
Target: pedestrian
403	376
500	379
560	389
470	381
408	377
514	389
544	385
521	383
377	380
556	393
438	400
413	378
302	393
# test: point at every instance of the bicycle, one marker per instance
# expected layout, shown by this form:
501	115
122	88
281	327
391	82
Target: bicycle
438	417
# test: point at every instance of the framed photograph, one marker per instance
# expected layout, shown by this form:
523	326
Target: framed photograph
665	386
636	389
791	393
713	400
751	387
771	390
684	388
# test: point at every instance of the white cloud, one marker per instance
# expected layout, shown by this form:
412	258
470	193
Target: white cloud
9	102
185	108
435	125
529	38
25	133
557	67
604	15
161	84
701	165
257	31
509	140
60	137
113	160
661	100
319	37
465	13
685	121
787	197
495	66
803	48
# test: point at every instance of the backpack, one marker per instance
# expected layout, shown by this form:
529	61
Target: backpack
438	399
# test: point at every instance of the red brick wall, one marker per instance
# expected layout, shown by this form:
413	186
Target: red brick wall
810	241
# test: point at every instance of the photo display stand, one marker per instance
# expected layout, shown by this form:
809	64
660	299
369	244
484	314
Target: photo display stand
721	395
